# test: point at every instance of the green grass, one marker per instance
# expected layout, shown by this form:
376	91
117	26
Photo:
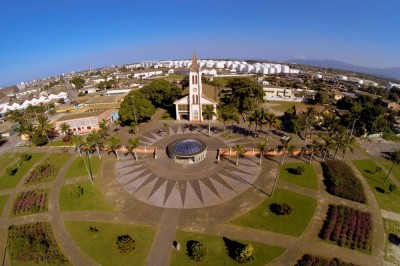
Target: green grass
388	164
308	179
174	76
59	143
91	200
7	181
3	201
294	224
380	190
391	227
216	251
103	248
78	168
6	159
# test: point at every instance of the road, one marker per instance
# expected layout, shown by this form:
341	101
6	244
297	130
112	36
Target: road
72	93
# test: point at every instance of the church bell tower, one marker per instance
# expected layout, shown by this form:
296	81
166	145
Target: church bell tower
195	91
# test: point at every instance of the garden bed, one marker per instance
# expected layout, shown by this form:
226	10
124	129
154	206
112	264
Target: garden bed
348	227
34	244
340	181
29	202
310	260
48	170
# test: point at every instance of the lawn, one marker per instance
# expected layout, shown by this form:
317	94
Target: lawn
375	181
103	248
91	198
217	253
308	179
3	201
59	143
283	106
10	181
388	164
6	159
294	224
392	252
78	168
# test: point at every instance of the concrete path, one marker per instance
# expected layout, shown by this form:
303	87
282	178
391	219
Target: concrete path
163	242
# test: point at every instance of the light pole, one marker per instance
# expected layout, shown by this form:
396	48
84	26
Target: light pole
134	112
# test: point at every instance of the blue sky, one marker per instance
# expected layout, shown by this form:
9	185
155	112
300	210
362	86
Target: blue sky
40	38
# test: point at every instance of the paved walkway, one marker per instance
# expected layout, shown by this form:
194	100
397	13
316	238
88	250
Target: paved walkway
210	220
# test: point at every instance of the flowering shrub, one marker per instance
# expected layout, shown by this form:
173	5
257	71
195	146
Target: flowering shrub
34	244
348	227
309	260
47	170
32	201
341	181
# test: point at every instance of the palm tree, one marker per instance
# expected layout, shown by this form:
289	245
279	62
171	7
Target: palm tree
208	114
86	146
77	141
114	144
65	129
315	145
43	125
395	158
95	139
309	117
262	147
347	145
103	128
228	113
133	144
339	142
239	148
272	121
285	143
326	147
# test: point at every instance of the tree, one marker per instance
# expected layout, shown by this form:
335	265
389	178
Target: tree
285	143
326	147
245	254
262	147
309	116
43	125
257	118
392	188
114	145
136	108
161	93
77	141
196	250
78	82
315	145
228	113
96	140
321	97
395	158
347	145
245	93
239	149
65	129
133	144
208	114
104	127
272	121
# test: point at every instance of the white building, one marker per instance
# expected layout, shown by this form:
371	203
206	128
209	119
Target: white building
191	106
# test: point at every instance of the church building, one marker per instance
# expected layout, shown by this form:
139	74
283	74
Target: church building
191	106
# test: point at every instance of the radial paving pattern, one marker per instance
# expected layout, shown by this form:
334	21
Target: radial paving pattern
163	183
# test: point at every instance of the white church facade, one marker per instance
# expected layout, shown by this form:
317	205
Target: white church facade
191	106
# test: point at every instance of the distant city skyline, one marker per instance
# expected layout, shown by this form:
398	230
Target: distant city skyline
46	38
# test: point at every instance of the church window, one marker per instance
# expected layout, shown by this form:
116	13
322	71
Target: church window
197	98
195	115
195	79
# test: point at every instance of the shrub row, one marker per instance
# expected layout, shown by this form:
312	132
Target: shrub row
34	244
309	260
32	201
348	227
341	181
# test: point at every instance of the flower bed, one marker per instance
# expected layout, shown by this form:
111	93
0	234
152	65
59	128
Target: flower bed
34	244
348	227
310	260
33	201
341	181
48	170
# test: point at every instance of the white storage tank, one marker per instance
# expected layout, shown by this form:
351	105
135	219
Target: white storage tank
242	68
272	70
234	66
220	64
249	68
228	64
257	69
341	77
285	69
265	70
